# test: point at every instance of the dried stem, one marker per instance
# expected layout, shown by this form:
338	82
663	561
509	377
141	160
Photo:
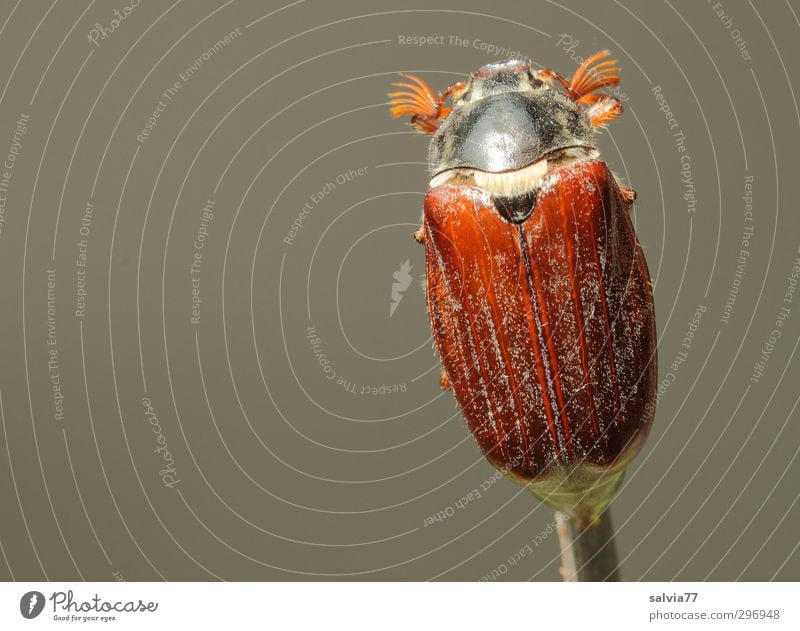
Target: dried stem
588	552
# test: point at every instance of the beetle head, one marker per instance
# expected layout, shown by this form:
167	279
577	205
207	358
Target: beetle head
505	76
506	117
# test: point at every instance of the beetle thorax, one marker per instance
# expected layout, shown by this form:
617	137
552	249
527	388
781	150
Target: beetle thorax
507	119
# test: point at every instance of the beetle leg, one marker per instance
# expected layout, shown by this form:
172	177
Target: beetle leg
628	194
419	235
444	381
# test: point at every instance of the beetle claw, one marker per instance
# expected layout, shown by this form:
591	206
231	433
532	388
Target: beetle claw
628	194
444	381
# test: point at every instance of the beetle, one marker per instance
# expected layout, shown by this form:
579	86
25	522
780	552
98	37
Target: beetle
538	292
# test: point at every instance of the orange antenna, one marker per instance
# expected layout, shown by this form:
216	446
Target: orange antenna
418	100
596	73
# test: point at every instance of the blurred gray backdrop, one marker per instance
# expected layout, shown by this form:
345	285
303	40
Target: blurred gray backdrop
216	361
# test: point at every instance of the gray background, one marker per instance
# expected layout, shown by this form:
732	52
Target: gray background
284	473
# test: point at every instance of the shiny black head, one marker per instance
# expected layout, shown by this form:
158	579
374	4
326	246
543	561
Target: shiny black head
505	119
505	76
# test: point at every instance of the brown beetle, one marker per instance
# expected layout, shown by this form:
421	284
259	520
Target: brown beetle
539	295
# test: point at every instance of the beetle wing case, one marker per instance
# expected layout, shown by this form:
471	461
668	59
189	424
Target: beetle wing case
545	328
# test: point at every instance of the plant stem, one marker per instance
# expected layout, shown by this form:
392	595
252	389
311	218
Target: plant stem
588	552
